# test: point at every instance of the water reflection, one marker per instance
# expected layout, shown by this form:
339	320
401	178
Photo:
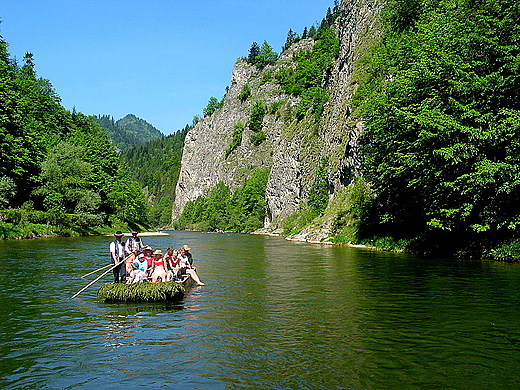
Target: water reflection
273	314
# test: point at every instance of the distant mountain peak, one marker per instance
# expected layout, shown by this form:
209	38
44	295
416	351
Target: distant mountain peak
128	131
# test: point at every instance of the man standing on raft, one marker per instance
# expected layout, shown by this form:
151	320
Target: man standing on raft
117	254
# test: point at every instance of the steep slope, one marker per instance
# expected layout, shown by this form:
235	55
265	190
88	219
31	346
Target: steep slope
128	131
294	146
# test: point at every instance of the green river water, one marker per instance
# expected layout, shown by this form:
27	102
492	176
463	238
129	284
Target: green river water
273	315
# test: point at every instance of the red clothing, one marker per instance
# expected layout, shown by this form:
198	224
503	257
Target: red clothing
159	262
171	260
149	261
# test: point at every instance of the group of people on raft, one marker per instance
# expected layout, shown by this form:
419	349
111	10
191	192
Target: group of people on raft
135	262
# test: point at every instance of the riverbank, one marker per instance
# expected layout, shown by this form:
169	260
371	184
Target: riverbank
142	234
28	230
304	238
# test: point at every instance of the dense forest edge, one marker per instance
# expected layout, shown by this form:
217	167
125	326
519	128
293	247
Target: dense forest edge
440	149
59	174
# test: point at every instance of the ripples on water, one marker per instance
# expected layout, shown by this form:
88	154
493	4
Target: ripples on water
273	314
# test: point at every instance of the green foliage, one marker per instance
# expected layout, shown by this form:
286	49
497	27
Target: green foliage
275	106
155	165
66	187
312	69
267	76
508	251
312	32
126	198
320	189
292	37
295	222
257	138
27	230
31	120
253	53
241	211
195	120
388	243
249	203
141	292
258	112
401	15
262	56
128	131
441	145
244	93
60	162
213	105
349	208
313	100
7	191
237	138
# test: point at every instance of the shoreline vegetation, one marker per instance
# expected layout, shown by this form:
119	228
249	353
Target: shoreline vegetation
32	231
25	229
108	232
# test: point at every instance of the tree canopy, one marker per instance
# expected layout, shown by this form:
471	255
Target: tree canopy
56	161
441	146
242	210
261	56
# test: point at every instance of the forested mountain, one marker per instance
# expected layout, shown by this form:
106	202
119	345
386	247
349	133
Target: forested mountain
128	131
394	124
156	165
58	172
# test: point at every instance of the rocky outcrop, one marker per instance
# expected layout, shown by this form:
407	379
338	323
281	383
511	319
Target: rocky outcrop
292	149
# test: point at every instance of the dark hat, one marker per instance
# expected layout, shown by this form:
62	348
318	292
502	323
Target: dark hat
119	233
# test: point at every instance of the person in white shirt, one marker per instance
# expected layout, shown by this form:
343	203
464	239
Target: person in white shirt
117	255
185	266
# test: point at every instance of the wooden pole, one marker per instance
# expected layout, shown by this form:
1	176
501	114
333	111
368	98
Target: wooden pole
99	277
93	272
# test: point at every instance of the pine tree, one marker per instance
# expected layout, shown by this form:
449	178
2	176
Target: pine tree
253	53
291	38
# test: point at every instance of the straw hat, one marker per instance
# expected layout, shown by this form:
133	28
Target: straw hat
157	252
186	247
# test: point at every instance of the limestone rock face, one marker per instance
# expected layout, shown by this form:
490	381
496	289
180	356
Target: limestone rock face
292	149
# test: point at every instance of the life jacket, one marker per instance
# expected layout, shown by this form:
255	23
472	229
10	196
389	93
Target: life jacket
119	248
134	243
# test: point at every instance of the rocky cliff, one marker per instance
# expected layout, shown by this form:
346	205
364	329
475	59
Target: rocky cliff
293	148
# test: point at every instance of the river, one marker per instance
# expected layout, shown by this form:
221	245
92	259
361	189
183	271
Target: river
273	315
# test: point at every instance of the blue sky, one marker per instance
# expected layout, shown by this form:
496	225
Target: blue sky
158	59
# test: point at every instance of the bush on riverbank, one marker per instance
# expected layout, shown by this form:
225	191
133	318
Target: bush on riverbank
509	251
25	223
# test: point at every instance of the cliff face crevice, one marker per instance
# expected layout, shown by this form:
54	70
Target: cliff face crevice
293	149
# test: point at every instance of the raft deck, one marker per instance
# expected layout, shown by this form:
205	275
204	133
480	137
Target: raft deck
146	291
